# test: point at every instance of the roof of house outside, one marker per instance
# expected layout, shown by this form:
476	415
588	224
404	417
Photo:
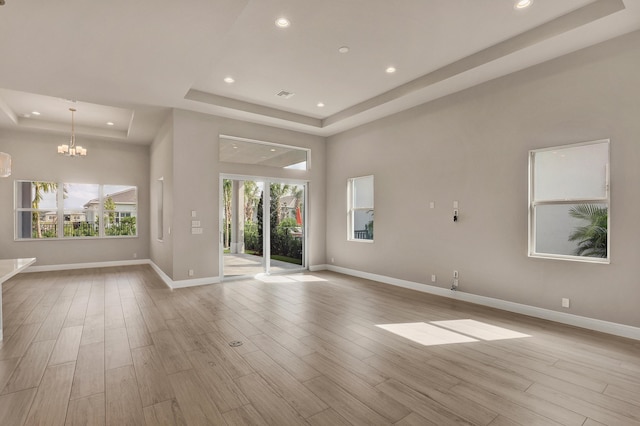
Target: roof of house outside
288	201
127	196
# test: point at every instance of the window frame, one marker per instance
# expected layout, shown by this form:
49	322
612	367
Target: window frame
351	210
60	213
533	203
20	210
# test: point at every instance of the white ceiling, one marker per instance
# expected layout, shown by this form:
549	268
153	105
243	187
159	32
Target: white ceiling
129	62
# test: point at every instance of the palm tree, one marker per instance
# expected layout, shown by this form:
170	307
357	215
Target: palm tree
591	238
277	191
39	189
251	196
226	199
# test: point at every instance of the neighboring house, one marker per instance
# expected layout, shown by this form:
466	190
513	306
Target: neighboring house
288	206
124	201
52	217
289	210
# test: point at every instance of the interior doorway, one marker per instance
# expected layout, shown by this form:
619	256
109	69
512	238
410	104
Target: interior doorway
263	226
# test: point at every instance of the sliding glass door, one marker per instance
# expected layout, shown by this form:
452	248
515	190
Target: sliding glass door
286	226
263	226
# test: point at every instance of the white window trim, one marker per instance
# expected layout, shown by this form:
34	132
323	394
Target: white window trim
532	204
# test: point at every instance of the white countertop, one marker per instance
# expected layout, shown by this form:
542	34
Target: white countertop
10	267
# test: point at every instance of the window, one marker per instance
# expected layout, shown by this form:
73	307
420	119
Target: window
118	210
360	202
47	210
78	219
36	209
569	202
247	151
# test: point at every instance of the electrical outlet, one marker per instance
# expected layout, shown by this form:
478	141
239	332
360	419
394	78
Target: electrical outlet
135	255
190	272
433	278
332	260
455	274
565	302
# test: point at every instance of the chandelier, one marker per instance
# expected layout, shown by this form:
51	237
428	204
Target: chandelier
72	150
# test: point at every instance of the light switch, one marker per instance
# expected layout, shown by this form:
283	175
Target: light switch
196	231
195	223
194	213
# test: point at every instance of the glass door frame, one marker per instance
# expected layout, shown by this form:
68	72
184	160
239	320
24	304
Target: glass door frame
266	207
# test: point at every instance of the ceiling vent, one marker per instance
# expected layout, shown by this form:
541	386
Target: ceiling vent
284	94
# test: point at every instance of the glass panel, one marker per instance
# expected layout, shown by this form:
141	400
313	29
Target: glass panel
243	151
81	210
572	173
120	210
36	225
363	192
363	225
41	219
286	225
573	230
242	235
36	195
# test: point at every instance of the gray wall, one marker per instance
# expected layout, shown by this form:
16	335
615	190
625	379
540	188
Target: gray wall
162	167
35	158
472	147
195	186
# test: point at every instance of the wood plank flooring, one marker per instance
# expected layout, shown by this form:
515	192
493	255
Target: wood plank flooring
114	346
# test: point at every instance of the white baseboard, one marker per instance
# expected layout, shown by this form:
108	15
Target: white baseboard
314	268
195	282
69	266
616	329
164	277
182	283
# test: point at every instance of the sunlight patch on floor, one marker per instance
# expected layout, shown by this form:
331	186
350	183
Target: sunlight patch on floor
480	330
292	278
306	278
425	334
448	332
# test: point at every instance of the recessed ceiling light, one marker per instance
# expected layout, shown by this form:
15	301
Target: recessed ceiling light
522	4
35	113
320	105
272	150
282	23
343	49
390	70
110	123
229	80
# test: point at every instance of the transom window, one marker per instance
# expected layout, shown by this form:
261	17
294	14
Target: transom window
569	202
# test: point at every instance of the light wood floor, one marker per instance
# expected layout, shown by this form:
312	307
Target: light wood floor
115	346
